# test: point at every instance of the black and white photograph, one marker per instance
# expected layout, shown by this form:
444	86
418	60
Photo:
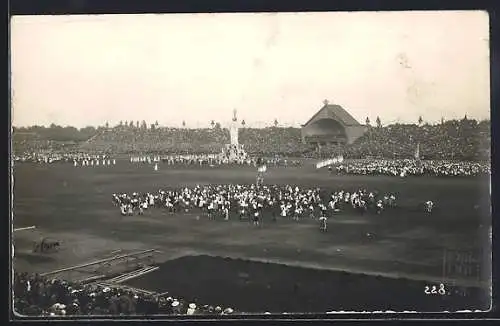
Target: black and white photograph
232	164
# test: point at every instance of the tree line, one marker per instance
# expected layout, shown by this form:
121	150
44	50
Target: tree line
56	133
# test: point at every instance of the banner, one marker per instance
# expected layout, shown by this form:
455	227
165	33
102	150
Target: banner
331	161
324	163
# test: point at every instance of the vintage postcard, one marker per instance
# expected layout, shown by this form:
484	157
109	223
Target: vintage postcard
257	163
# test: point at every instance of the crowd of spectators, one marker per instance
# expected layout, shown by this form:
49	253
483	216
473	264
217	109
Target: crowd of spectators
27	147
38	296
160	140
273	140
265	141
406	167
465	140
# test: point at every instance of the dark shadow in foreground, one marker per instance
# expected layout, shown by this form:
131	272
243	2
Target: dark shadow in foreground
257	287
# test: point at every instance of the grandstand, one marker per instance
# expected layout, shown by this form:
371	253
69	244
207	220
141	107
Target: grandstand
465	139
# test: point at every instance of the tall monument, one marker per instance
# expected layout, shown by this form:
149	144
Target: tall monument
233	130
234	151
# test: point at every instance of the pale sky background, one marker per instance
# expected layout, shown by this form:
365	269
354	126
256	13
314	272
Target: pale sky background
86	70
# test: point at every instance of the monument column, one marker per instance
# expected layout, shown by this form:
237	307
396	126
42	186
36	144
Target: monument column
233	130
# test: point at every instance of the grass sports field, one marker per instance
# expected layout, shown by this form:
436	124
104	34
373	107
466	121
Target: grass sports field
363	263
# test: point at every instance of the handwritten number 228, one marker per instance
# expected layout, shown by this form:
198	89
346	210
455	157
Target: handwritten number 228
435	290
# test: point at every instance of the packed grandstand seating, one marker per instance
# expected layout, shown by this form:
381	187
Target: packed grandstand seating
161	140
464	139
272	140
452	140
39	296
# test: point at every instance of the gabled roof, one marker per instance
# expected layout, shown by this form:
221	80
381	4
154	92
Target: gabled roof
334	111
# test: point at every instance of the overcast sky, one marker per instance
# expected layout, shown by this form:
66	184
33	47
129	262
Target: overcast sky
86	70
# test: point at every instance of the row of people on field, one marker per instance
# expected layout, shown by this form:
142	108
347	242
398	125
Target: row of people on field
95	162
50	158
205	159
145	159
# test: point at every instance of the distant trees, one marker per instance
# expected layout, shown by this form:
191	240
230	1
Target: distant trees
243	123
379	123
367	121
59	133
183	124
212	123
88	132
107	125
275	122
420	120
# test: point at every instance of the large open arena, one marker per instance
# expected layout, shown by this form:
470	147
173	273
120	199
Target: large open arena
167	165
364	262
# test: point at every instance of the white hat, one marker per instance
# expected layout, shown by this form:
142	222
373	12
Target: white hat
136	296
175	303
106	289
62	306
63	312
228	311
267	313
52	314
192	306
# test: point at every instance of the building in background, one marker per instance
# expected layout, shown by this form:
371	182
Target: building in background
331	125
